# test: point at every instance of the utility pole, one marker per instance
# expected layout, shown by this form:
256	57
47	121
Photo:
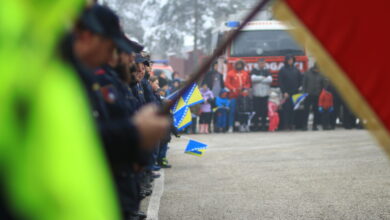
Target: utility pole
196	15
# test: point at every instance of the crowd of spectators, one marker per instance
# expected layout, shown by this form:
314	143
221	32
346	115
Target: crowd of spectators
245	101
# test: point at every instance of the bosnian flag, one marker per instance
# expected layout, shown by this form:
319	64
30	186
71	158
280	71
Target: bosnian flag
297	99
195	148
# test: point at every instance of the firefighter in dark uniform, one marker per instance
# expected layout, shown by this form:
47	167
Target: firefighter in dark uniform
127	71
150	97
140	89
138	76
125	138
148	90
123	69
119	105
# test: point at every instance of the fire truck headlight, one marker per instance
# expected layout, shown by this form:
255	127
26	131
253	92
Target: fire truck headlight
232	24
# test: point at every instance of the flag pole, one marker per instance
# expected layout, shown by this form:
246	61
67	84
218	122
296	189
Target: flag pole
197	74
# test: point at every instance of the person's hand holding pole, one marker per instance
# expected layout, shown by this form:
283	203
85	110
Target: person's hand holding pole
152	126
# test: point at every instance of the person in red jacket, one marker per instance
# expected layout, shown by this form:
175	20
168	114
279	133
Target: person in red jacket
236	80
325	107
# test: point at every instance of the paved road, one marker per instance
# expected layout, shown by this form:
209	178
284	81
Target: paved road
286	175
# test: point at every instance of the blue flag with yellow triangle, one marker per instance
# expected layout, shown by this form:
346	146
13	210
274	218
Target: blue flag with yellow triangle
195	148
181	110
191	96
180	104
297	99
182	118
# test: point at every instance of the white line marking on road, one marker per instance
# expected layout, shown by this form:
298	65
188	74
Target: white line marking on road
154	202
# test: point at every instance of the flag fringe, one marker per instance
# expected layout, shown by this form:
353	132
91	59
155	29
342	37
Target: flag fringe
334	72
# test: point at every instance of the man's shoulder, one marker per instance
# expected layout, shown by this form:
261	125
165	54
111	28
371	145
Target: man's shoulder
102	77
231	72
211	73
145	82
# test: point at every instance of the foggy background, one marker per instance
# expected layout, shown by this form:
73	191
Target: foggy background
176	27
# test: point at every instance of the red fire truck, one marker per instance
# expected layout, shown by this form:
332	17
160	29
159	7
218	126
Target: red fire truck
264	39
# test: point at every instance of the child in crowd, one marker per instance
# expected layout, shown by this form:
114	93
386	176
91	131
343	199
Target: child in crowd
325	107
175	85
162	93
205	109
273	115
245	110
222	108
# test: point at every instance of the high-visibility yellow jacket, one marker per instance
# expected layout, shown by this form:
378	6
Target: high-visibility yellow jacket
51	160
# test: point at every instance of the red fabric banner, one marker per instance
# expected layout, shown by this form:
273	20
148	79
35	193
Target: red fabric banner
355	34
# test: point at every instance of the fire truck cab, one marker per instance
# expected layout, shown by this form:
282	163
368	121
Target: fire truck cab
267	39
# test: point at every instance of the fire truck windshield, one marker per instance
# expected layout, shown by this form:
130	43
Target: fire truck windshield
265	43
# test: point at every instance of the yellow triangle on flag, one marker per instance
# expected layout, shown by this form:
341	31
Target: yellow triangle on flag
186	119
180	104
197	153
195	97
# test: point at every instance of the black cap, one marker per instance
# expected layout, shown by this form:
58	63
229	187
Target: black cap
137	47
139	58
146	55
147	63
103	21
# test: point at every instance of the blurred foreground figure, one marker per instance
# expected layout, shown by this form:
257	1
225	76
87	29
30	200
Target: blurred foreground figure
51	158
52	166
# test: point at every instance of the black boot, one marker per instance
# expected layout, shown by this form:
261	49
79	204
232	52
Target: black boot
141	215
